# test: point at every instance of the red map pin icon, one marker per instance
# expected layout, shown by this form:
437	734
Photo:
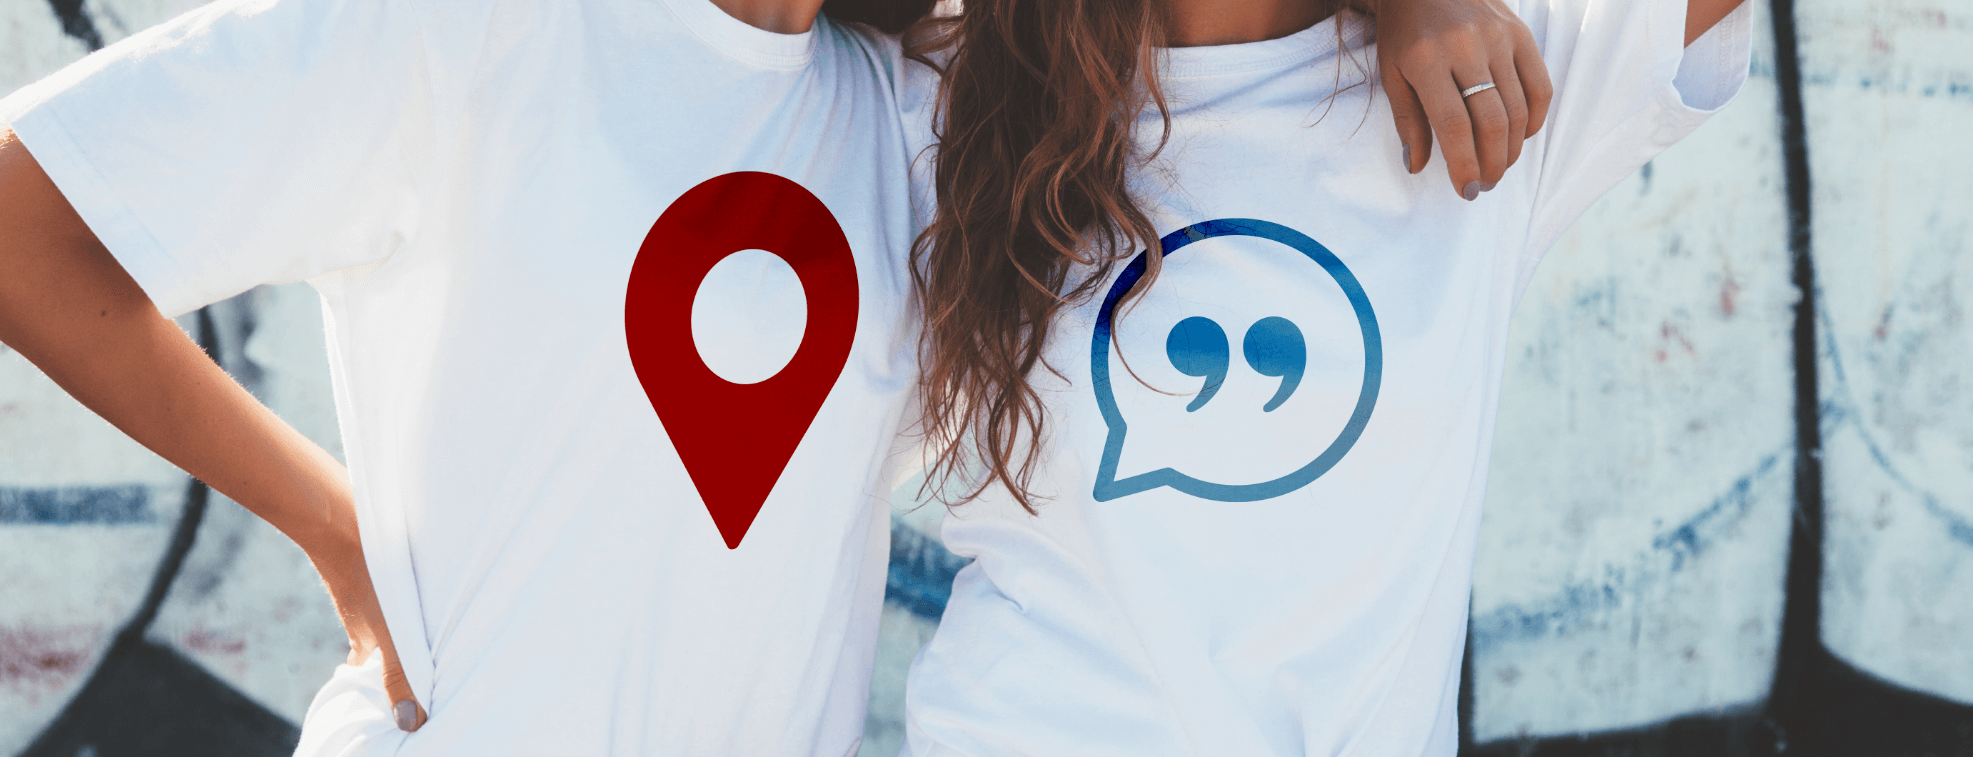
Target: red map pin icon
735	439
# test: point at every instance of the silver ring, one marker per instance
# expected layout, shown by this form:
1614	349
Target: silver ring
1475	89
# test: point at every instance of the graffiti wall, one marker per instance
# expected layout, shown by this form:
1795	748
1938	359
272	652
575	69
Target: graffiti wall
1731	508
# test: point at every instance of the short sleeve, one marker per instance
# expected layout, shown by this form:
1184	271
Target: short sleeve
248	142
1626	88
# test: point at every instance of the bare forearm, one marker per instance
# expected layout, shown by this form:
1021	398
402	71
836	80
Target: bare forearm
72	310
1701	15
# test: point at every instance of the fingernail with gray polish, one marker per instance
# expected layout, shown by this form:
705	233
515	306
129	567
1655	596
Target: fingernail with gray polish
1472	191
1488	187
1407	156
406	713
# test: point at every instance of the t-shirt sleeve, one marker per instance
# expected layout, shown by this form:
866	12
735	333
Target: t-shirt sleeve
248	142
1626	88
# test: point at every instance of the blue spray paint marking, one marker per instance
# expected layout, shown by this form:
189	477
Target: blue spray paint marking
76	504
1958	527
921	572
1578	602
1107	485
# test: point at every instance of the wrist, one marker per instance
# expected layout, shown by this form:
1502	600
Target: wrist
330	537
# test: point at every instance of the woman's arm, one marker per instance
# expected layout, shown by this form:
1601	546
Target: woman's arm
1701	15
71	309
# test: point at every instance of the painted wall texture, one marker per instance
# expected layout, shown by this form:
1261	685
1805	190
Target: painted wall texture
1730	512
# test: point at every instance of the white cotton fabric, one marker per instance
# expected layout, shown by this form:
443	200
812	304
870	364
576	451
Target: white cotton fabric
1318	619
467	182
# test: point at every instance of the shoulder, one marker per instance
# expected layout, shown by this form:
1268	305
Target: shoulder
863	46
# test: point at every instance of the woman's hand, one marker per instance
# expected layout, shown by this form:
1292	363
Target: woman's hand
337	552
1429	51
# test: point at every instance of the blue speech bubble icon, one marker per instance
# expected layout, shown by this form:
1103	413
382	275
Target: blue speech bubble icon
1273	346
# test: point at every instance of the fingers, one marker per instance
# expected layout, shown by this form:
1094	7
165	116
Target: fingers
1414	132
1533	75
1508	83
338	557
410	715
1488	112
1454	127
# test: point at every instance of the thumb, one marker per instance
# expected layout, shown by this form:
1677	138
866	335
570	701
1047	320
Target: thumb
405	709
1409	116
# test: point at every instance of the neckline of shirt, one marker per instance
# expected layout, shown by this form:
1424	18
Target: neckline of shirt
1265	56
745	42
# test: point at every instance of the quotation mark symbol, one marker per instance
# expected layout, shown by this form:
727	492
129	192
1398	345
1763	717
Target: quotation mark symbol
1197	346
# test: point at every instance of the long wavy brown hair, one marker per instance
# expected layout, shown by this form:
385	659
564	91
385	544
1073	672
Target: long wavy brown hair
1036	116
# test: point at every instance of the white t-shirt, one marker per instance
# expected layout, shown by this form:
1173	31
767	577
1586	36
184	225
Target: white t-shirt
1274	556
468	184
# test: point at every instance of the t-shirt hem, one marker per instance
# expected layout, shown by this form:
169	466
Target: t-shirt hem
744	42
106	214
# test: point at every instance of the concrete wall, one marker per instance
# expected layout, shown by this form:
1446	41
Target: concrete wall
1633	547
1635	592
1888	90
